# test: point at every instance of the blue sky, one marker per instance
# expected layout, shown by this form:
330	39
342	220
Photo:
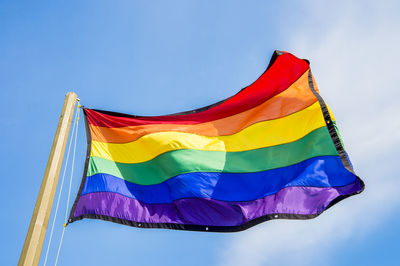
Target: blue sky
158	57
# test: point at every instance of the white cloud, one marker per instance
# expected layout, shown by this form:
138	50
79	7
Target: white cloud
354	54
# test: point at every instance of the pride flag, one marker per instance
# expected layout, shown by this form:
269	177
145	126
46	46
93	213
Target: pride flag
271	151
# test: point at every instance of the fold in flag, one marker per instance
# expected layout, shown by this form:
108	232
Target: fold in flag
271	151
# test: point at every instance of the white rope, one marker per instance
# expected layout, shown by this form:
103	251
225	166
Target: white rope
70	185
61	186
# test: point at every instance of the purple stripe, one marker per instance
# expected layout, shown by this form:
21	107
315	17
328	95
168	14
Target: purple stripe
209	212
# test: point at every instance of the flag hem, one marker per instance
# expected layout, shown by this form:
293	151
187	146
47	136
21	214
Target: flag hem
85	170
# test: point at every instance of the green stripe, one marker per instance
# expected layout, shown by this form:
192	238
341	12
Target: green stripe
170	164
338	133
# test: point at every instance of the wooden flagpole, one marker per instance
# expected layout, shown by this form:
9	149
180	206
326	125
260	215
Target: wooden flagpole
30	254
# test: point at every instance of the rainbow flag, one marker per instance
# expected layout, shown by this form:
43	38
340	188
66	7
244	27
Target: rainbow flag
271	151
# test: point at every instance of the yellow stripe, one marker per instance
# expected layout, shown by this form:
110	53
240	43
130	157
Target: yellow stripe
259	135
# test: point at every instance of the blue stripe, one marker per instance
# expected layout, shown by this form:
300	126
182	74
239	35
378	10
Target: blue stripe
323	171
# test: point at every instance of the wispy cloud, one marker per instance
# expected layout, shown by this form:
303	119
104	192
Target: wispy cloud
353	51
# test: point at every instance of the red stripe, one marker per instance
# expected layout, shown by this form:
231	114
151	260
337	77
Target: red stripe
284	71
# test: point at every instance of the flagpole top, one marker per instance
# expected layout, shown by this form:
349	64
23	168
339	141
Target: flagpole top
71	94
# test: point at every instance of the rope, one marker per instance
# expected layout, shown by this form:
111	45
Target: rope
70	185
61	187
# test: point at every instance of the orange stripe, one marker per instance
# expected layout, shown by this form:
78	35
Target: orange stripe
297	97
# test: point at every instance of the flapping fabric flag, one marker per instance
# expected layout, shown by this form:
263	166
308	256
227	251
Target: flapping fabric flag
270	151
